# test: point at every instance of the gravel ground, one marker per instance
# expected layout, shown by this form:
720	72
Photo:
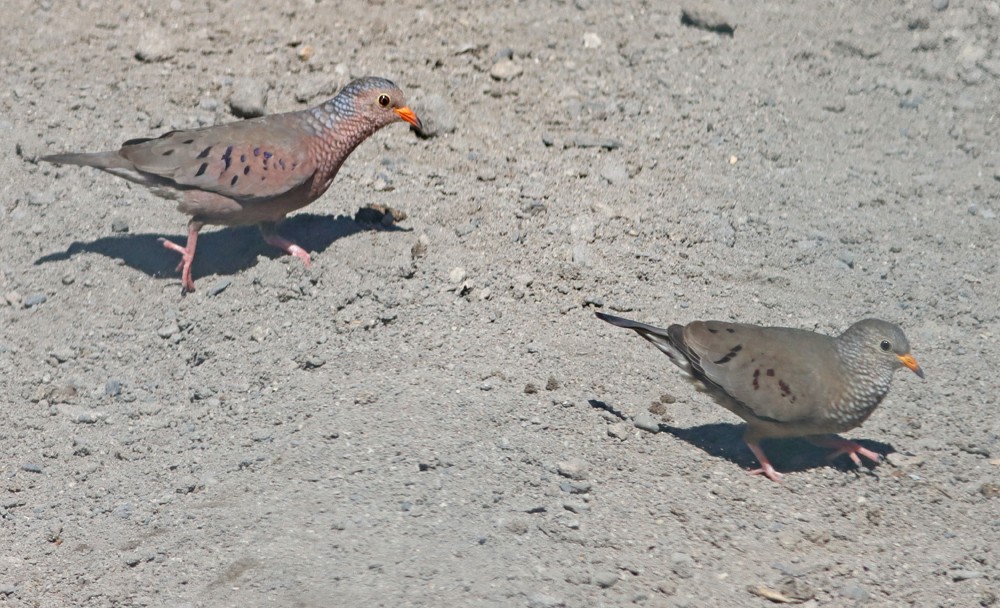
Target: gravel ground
431	415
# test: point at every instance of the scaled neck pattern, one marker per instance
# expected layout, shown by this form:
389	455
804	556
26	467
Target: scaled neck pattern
865	383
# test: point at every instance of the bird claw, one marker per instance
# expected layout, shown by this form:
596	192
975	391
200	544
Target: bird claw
287	246
300	253
767	471
850	448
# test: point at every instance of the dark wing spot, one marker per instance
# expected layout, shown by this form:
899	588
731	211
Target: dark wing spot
232	182
201	169
770	372
784	388
169	152
243	158
246	170
256	151
731	330
267	155
188	141
729	356
228	157
712	331
204	153
141	140
281	163
756	379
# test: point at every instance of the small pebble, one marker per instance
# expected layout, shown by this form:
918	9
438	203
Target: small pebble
855	592
646	422
119	225
605	578
574	468
31	467
167	330
35	300
505	69
436	116
219	286
964	575
113	387
591	41
618	431
249	98
155	46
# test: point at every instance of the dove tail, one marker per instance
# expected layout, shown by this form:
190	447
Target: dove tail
101	160
663	339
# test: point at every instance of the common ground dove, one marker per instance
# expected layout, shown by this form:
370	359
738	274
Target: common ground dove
788	382
253	171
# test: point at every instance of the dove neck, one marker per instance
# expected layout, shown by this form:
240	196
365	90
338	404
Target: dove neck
340	126
868	381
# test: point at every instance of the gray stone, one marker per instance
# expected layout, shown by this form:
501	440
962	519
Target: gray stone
964	575
155	46
855	592
219	286
119	225
41	199
249	98
436	116
35	300
574	468
615	172
646	422
505	69
113	387
619	430
167	330
682	564
605	578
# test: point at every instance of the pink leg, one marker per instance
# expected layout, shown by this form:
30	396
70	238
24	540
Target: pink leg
765	465
187	255
276	240
845	446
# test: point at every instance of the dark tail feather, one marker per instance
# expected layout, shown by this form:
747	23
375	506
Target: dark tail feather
629	324
661	338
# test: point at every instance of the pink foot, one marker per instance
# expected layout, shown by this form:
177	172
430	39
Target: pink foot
765	465
768	472
288	247
187	255
845	446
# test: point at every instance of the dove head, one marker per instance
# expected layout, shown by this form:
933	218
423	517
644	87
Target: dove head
879	344
374	100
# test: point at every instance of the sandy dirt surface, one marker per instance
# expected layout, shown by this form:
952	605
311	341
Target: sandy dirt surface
431	415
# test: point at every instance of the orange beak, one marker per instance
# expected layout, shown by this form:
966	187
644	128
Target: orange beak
911	363
407	114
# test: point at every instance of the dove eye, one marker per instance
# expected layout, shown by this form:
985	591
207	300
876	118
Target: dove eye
383	100
885	345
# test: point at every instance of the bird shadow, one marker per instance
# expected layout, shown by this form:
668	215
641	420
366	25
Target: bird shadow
225	252
792	455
